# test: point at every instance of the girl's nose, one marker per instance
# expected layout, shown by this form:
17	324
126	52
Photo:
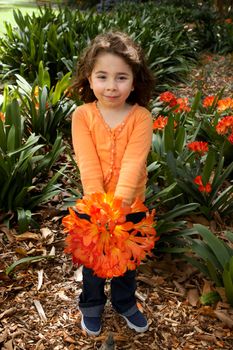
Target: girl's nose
111	84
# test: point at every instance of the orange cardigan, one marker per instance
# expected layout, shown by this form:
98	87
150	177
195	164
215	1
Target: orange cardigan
112	159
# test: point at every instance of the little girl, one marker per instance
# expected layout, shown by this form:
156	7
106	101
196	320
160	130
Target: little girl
112	133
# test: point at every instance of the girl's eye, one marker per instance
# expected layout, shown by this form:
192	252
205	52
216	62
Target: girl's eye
122	78
101	77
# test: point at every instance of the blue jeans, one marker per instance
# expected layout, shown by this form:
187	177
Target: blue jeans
93	298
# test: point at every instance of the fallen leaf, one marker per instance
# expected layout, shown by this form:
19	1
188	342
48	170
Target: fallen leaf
206	337
225	318
69	339
40	310
40	279
179	287
10	234
47	235
63	296
207	287
148	281
27	236
8	345
21	251
8	312
199	219
3	336
78	274
193	297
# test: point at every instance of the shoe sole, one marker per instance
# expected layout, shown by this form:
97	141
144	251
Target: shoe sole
89	332
137	329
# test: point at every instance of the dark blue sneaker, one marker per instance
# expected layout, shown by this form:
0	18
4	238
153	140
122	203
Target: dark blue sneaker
92	325
137	321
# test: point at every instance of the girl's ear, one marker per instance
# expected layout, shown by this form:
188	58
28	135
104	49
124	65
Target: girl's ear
90	83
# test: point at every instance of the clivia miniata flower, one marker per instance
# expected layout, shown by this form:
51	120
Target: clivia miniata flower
202	188
228	20
169	98
35	98
230	138
208	101
2	116
182	105
160	122
225	125
104	240
226	103
200	147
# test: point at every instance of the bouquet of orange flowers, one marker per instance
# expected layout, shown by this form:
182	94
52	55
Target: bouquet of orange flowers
101	238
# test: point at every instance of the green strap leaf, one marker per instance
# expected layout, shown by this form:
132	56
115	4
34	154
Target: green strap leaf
29	259
209	165
214	243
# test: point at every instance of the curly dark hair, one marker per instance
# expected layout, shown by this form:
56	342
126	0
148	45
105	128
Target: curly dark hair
120	44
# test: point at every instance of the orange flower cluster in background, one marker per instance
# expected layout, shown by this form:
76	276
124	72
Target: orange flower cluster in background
181	103
2	116
35	97
208	101
222	105
225	127
198	146
105	241
160	122
169	98
202	188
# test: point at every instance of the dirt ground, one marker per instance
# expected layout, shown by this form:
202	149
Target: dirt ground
38	300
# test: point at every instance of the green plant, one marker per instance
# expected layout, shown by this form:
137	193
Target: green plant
212	172
213	257
167	215
58	37
24	167
201	175
43	36
228	280
45	108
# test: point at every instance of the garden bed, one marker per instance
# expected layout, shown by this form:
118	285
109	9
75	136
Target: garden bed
39	301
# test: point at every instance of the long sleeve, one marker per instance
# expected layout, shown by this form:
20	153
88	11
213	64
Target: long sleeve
134	159
86	154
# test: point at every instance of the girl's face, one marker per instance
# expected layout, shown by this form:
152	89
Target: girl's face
111	81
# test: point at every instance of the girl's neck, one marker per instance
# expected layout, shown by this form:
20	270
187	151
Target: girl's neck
114	116
114	111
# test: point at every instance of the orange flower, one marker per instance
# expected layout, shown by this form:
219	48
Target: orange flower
160	123
68	92
202	188
228	20
35	98
105	241
198	146
182	105
2	116
230	138
225	125
226	103
169	98
36	91
208	101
